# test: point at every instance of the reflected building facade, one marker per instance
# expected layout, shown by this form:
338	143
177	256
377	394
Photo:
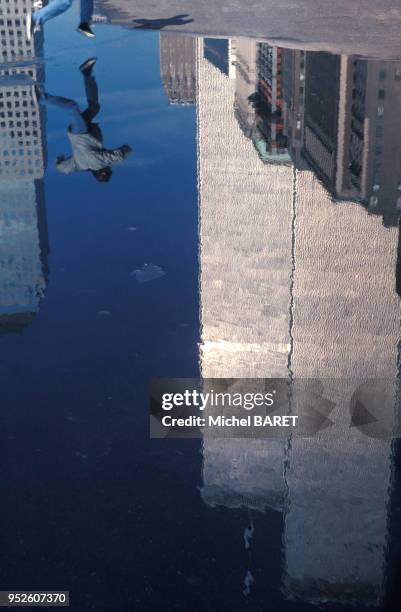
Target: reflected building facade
272	143
338	338
178	68
375	137
246	85
221	53
293	71
259	101
352	134
291	284
245	266
335	115
23	233
321	124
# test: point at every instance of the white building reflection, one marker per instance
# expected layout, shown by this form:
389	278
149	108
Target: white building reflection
295	285
246	217
23	235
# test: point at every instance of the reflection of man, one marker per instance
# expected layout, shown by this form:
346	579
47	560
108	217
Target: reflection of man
55	8
88	153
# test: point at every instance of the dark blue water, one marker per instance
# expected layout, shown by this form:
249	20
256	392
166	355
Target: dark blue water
88	503
84	491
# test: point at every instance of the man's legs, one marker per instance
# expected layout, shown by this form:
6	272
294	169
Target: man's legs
92	93
78	124
86	16
53	9
86	11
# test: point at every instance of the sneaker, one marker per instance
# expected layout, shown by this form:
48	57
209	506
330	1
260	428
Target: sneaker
86	67
84	28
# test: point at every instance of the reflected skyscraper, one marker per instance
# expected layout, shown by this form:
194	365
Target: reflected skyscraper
353	130
246	85
293	285
272	143
259	100
293	104
322	121
246	216
221	53
178	68
340	479
23	234
375	141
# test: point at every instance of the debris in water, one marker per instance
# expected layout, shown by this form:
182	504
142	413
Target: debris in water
248	534
147	273
194	580
131	228
74	419
103	313
247	584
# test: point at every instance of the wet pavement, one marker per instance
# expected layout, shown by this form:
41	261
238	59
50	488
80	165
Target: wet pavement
366	28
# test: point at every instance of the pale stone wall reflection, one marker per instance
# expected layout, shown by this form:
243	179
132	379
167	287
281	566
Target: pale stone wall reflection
295	285
245	261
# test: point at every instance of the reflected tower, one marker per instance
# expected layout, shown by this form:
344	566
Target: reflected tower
353	130
272	143
374	141
246	217
293	105
346	329
259	100
23	233
246	79
293	285
178	68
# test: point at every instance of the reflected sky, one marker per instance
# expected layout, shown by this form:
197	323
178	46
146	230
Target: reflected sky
252	231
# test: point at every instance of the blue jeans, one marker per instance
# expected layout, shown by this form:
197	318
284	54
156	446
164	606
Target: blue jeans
80	121
57	7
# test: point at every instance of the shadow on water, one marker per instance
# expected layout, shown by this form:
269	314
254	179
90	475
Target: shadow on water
159	24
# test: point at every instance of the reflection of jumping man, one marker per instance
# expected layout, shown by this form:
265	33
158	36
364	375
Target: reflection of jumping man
53	9
88	153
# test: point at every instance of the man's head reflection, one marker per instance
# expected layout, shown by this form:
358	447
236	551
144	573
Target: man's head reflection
88	152
103	175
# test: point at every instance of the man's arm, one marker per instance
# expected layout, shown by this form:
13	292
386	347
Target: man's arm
113	156
66	165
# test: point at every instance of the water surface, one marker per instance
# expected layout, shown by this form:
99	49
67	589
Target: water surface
251	232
